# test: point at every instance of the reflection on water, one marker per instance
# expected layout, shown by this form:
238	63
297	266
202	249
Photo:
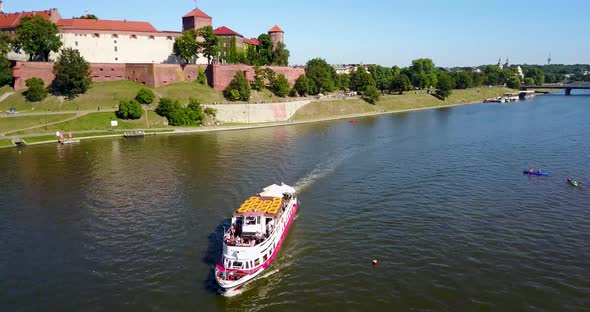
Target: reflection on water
436	196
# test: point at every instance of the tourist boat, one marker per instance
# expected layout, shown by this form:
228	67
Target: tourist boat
134	134
511	97
258	229
69	141
526	94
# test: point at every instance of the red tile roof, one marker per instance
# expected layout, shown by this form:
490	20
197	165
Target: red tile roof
254	41
275	29
11	20
224	31
105	25
197	13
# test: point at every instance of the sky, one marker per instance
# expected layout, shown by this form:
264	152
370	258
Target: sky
385	32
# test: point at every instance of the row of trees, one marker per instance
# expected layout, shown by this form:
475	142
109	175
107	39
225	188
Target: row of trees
203	41
239	88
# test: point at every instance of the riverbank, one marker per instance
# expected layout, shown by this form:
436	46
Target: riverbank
318	111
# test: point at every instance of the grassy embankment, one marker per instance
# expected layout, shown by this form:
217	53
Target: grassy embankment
6	143
5	89
391	103
20	122
106	95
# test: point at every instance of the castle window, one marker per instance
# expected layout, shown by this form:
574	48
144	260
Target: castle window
133	37
115	41
101	69
115	49
116	58
95	35
76	43
169	38
151	37
115	36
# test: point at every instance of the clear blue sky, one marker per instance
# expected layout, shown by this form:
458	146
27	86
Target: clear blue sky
387	32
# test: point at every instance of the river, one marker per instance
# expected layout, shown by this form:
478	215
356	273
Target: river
437	197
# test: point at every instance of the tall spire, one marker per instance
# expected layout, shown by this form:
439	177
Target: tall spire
548	59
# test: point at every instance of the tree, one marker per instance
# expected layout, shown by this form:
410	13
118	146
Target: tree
129	110
145	96
179	117
259	75
382	76
210	43
5	71
202	77
252	56
36	90
371	94
343	81
72	74
444	86
280	86
302	85
238	88
37	37
463	80
513	83
360	79
195	112
423	73
265	50
281	55
166	106
6	42
88	16
400	83
322	76
185	46
231	51
537	75
529	81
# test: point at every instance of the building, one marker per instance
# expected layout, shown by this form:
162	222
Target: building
123	41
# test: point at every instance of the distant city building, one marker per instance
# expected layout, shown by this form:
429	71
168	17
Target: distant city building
123	41
519	72
348	68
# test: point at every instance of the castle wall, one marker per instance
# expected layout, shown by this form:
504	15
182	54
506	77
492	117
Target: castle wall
223	74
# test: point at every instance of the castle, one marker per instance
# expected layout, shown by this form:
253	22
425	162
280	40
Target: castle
134	50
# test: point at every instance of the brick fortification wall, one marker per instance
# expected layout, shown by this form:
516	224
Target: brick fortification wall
152	75
224	74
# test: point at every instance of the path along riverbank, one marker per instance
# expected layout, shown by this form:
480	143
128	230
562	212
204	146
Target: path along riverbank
319	111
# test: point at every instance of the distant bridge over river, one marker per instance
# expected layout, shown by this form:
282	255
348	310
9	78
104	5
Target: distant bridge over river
567	87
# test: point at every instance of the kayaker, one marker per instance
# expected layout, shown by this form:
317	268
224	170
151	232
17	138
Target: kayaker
539	170
531	170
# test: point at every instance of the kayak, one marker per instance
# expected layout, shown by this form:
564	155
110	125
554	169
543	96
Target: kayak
572	182
545	174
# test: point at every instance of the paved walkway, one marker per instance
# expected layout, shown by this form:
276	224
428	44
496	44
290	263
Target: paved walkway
84	112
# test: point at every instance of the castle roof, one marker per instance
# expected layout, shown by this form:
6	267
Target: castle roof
11	20
224	31
275	29
197	13
253	41
105	25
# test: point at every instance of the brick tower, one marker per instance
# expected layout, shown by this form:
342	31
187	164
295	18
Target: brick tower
196	19
276	35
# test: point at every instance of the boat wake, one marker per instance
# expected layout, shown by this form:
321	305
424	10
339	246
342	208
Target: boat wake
323	169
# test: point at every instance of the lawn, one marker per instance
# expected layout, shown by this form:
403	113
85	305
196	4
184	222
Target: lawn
103	95
183	91
388	103
5	89
6	143
92	121
8	124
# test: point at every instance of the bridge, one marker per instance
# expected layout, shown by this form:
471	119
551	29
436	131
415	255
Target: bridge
567	87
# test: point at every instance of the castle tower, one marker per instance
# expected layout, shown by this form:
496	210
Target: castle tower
276	35
196	19
1	7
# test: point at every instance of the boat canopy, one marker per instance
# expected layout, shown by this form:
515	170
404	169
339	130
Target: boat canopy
277	191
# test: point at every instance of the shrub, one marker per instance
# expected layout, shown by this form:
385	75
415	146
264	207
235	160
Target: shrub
129	110
238	88
145	96
302	85
72	74
280	86
166	106
202	78
371	94
36	90
293	92
210	111
178	117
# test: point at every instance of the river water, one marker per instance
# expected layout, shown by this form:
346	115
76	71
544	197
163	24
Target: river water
437	197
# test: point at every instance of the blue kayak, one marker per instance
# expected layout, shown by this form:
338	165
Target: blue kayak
545	174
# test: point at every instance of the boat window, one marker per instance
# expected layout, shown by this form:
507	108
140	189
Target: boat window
264	258
237	264
256	262
247	265
251	220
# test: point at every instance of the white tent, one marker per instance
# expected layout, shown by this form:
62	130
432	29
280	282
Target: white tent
277	190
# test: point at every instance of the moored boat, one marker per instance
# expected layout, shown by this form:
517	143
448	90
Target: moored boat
258	229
